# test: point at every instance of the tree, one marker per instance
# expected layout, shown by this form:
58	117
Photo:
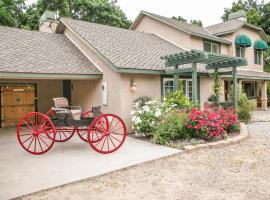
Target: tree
100	11
15	13
196	22
265	19
179	18
251	7
12	13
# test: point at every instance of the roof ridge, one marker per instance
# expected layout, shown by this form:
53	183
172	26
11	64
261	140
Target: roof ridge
26	30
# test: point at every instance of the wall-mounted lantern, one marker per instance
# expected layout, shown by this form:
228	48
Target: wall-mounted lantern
133	85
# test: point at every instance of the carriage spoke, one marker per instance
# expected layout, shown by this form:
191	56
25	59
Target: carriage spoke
116	133
35	144
108	146
114	126
112	141
27	139
116	138
39	143
44	141
27	124
103	143
30	143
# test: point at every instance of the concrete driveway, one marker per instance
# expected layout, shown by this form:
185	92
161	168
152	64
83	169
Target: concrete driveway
23	173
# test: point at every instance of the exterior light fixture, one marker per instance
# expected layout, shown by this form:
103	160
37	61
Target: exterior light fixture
133	85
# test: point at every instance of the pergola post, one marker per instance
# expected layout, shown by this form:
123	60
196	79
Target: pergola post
175	80
194	83
235	88
215	79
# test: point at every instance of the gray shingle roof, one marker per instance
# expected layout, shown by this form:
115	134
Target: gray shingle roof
38	52
253	74
225	27
186	27
124	48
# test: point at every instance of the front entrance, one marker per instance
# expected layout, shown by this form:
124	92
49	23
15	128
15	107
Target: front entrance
16	101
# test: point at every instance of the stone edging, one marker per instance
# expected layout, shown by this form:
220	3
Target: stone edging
229	141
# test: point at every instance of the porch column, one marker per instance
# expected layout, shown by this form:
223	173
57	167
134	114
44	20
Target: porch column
235	89
194	83
264	95
175	80
215	82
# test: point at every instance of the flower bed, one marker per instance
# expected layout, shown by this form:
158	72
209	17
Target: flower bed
164	122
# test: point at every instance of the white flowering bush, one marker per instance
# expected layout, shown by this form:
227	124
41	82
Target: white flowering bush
146	115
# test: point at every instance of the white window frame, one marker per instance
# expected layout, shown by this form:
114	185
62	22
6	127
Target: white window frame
258	56
180	79
211	44
240	51
254	85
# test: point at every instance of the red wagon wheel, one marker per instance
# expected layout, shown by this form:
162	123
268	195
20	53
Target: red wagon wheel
107	133
36	133
63	134
83	131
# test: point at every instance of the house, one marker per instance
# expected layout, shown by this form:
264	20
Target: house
93	64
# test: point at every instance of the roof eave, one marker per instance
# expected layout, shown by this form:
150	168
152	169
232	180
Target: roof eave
139	17
27	75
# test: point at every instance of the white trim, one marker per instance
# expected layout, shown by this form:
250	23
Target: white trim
171	42
85	54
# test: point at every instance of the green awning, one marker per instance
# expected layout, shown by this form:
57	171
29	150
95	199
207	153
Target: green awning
260	45
242	41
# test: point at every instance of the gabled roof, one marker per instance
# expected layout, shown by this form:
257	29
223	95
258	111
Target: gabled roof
23	51
124	50
182	26
232	26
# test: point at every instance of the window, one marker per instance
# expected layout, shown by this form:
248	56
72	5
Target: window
258	57
240	52
211	47
186	85
167	86
249	89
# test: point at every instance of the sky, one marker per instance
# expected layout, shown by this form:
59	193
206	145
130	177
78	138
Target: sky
209	11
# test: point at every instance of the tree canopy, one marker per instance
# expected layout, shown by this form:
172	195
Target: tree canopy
16	13
194	22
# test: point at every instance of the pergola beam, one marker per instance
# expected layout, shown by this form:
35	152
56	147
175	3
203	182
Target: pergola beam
179	70
226	64
181	60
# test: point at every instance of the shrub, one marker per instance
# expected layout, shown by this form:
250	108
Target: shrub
142	100
178	100
229	119
171	127
245	107
145	116
205	124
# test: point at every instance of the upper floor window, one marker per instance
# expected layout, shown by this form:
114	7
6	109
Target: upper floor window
240	52
211	47
258	57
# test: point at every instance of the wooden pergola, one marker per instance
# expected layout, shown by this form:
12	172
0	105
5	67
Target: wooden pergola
212	61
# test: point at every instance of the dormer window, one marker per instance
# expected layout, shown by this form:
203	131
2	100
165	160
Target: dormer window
240	52
211	47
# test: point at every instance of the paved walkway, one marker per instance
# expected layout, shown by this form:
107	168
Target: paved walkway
261	116
237	172
23	173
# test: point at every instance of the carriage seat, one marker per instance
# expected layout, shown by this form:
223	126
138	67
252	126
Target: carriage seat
64	110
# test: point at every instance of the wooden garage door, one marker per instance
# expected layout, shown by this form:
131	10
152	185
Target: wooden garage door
16	101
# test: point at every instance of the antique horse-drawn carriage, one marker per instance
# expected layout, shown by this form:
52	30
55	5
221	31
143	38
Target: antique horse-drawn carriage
37	132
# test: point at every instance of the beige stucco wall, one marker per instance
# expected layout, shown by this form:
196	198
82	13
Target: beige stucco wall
206	89
173	35
253	35
46	90
146	85
120	97
86	93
